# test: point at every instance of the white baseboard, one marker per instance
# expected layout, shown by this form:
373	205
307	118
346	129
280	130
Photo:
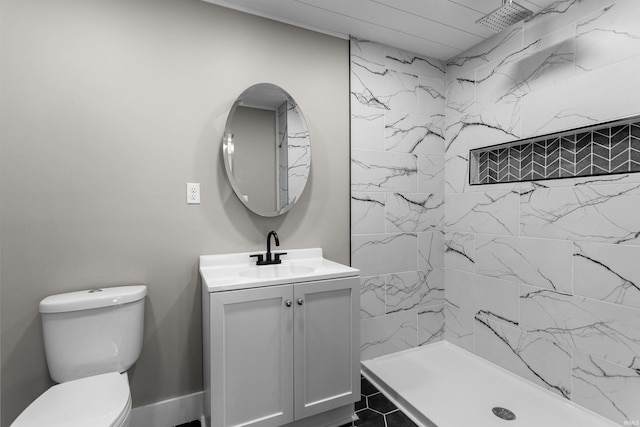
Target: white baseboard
169	413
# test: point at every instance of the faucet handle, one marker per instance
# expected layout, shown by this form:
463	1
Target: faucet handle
260	258
277	257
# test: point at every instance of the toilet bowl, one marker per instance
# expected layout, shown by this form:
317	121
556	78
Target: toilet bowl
91	339
98	401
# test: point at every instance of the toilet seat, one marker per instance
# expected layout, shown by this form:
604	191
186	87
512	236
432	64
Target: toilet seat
98	401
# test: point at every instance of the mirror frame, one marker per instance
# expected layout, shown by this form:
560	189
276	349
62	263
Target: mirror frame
228	149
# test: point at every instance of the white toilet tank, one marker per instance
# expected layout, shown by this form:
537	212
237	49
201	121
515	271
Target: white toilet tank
93	332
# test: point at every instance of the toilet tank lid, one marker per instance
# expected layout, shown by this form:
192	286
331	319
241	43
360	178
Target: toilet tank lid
92	298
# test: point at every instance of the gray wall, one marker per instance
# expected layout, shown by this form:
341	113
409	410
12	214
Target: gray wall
108	108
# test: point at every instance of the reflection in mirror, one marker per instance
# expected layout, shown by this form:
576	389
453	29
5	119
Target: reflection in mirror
266	149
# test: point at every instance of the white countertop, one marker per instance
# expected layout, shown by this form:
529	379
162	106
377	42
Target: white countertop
238	271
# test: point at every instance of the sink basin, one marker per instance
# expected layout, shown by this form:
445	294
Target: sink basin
275	271
226	272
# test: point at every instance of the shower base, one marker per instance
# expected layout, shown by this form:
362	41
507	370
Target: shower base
442	385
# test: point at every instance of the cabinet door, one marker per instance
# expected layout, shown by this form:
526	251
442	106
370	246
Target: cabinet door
252	358
326	345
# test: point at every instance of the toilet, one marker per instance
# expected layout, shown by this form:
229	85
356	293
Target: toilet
91	339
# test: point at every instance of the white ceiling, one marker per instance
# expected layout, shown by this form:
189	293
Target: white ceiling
437	28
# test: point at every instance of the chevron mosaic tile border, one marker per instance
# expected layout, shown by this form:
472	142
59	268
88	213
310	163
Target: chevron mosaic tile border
604	149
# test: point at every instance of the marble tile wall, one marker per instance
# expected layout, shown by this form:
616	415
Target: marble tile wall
397	196
542	277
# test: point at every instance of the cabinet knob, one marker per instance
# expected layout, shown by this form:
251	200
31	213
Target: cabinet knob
300	301
288	303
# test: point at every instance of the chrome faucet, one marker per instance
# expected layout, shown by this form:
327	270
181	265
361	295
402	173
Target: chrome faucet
269	259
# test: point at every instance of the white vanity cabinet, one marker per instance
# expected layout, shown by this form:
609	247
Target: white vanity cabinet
278	354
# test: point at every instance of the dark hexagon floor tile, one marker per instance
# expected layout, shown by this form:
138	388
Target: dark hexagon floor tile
367	388
369	418
380	403
399	419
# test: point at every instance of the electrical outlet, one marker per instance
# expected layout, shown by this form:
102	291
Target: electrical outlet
193	193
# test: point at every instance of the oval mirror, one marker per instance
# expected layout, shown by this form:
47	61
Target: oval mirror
266	149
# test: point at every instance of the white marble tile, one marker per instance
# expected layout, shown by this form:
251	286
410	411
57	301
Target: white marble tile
617	179
486	51
550	59
388	334
364	82
459	137
459	327
525	354
367	128
431	97
410	133
539	63
501	122
585	213
608	389
490	212
430	250
460	96
411	63
607	272
497	298
367	78
367	63
559	14
513	187
539	262
459	251
431	174
609	35
602	329
399	92
430	324
368	213
456	173
372	296
383	171
413	289
376	254
368	54
494	125
414	212
461	291
500	81
567	105
390	90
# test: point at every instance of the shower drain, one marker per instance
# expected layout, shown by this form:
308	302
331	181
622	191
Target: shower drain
503	413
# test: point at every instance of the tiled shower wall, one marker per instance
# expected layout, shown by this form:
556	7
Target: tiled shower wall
397	198
541	277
